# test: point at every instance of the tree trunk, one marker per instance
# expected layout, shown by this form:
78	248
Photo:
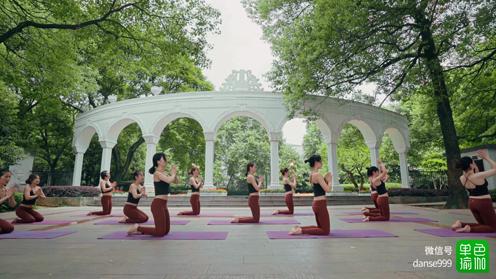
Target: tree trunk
457	197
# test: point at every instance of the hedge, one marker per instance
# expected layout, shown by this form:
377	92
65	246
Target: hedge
71	191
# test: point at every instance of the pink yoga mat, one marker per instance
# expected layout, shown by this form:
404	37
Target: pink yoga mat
262	222
35	234
170	236
50	222
149	222
334	234
392	219
450	233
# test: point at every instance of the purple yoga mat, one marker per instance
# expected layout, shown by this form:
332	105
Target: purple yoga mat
393	219
210	215
149	222
264	222
35	234
288	215
170	236
392	213
450	233
334	234
86	215
50	222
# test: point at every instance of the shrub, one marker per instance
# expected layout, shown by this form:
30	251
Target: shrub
417	192
272	191
71	191
18	198
493	195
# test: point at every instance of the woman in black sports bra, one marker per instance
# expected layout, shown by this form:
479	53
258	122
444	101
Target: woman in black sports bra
196	184
254	187
161	183
321	185
6	195
289	187
32	192
132	214
106	187
377	175
479	202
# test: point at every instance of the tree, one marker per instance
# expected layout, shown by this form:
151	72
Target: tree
330	47
9	132
74	55
239	141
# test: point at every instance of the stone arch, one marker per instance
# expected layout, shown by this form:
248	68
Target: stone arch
159	125
365	129
399	142
83	137
231	114
119	125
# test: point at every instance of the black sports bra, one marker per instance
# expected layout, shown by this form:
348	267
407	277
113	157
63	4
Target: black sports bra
381	188
131	199
252	189
288	188
29	202
479	190
194	190
317	190
161	187
108	191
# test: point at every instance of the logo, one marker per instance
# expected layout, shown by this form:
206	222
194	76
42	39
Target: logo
472	256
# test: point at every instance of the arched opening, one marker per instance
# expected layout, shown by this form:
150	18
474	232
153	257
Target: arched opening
128	155
239	140
183	142
354	156
90	174
88	140
390	157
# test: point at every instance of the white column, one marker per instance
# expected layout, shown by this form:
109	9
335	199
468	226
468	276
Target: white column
151	148
107	146
374	154
78	168
404	170
209	160
274	160
332	161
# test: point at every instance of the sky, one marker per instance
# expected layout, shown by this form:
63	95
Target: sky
240	46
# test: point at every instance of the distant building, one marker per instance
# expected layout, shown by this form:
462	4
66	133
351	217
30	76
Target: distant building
21	170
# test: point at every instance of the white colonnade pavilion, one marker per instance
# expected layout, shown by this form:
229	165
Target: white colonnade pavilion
240	95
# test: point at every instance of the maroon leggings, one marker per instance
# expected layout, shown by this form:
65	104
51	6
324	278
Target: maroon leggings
134	215
107	206
373	197
289	202
28	215
322	217
383	214
160	216
255	210
194	200
5	227
483	211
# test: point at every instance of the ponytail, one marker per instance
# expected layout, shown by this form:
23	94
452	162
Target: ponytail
313	159
248	167
155	160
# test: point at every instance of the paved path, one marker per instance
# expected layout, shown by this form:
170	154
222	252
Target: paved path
246	253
